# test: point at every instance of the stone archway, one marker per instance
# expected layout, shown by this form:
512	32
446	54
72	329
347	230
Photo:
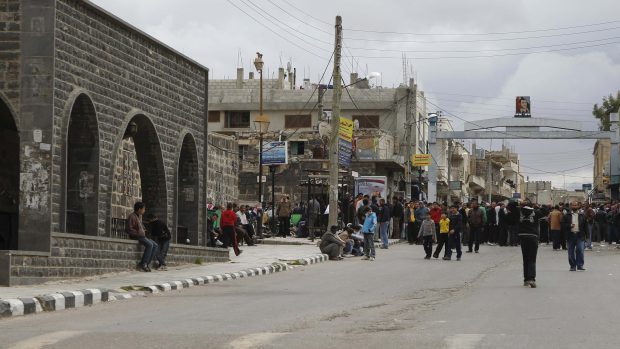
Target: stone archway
9	178
139	174
187	192
82	176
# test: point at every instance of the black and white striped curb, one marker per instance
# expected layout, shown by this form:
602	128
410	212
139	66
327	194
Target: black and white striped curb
57	301
78	299
210	279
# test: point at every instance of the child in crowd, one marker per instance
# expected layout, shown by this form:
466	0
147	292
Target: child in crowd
444	229
428	236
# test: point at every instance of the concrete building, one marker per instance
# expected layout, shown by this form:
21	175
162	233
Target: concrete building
601	191
380	142
95	115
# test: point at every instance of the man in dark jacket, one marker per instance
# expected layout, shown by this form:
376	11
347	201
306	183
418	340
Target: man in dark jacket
398	212
575	224
161	234
528	236
456	228
384	215
331	244
476	222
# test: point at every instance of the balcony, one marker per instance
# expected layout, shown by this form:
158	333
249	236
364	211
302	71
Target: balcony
477	183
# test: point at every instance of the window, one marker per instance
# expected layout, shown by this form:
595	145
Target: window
244	151
297	121
238	119
214	116
367	121
296	148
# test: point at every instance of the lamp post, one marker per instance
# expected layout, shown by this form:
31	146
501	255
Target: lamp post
261	123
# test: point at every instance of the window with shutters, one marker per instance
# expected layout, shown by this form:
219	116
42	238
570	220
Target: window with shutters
367	121
297	121
214	116
238	119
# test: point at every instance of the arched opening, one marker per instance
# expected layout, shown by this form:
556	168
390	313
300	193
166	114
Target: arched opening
138	174
187	192
82	179
9	179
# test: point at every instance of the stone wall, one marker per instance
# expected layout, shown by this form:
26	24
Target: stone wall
10	27
124	72
74	256
126	187
223	170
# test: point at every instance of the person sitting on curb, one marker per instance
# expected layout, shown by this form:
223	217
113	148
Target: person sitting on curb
331	244
135	229
354	241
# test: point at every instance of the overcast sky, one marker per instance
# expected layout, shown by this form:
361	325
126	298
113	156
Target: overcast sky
564	54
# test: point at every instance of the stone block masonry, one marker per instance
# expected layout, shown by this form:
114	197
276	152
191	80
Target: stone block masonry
122	70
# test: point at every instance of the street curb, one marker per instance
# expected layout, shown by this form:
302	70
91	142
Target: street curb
77	299
210	279
55	302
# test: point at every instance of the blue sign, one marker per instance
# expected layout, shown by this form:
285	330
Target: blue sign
345	152
516	195
586	187
275	153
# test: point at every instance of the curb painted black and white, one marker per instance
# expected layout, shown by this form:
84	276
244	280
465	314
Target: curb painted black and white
78	299
57	301
205	280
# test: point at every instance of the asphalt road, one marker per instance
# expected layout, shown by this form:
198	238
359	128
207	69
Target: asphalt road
398	301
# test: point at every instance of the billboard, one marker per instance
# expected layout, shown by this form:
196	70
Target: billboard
371	185
523	107
275	153
345	142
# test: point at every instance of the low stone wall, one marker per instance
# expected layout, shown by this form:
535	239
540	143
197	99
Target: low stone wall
75	256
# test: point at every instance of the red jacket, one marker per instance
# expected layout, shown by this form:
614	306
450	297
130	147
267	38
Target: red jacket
229	218
436	214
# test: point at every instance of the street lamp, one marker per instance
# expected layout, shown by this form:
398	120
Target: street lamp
261	124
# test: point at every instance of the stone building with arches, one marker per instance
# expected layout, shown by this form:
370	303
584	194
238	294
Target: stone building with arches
95	115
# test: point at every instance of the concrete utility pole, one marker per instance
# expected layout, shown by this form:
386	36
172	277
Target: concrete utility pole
449	170
408	145
335	125
489	177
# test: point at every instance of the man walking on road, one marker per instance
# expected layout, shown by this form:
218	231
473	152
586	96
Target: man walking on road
384	222
456	228
555	226
528	237
575	224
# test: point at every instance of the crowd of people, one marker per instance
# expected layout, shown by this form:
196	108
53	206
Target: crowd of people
365	219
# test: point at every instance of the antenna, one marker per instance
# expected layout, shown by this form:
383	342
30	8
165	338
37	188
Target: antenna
404	57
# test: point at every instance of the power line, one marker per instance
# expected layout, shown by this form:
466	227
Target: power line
485	50
496	55
273	31
487	33
483	40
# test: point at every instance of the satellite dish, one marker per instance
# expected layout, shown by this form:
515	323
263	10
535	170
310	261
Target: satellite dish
373	75
324	129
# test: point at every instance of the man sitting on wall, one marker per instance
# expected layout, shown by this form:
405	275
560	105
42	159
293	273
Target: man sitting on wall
135	230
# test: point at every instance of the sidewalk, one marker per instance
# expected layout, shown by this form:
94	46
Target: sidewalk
275	256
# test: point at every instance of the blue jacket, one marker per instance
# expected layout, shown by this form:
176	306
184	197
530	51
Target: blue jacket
370	223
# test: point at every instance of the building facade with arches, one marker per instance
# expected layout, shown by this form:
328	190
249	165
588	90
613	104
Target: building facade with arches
94	115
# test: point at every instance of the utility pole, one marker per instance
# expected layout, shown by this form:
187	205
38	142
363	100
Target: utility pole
449	170
408	145
335	125
489	177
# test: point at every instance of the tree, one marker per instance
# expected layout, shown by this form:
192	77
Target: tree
610	105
